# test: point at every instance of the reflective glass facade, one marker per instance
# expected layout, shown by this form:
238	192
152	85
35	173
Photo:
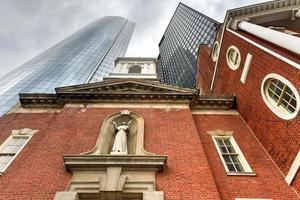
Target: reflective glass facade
178	47
86	56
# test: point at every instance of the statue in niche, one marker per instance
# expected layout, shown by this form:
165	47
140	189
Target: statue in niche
120	142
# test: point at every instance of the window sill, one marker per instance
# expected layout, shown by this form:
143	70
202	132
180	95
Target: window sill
240	174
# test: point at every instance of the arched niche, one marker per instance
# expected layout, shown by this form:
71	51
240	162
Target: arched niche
135	138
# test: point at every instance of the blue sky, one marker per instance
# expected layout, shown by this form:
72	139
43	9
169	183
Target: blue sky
29	27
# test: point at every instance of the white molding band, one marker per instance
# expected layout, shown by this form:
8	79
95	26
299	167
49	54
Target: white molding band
293	170
213	112
290	62
289	42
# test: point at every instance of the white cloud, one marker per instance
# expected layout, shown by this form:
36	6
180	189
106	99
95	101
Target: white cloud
32	26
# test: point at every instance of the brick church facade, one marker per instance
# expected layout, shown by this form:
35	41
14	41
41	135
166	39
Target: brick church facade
225	139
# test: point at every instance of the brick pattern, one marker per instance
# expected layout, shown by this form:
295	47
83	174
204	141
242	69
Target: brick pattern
280	137
268	183
38	171
205	72
206	65
296	182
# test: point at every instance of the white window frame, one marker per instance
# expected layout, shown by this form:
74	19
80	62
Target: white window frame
22	133
214	55
278	110
230	64
228	135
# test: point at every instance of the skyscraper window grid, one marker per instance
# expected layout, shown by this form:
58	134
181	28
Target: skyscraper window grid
71	61
179	45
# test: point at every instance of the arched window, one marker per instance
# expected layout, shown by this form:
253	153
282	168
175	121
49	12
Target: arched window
280	96
136	69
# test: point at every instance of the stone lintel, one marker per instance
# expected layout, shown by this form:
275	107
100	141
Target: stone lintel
92	162
66	195
153	195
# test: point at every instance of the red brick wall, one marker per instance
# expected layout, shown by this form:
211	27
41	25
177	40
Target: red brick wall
268	182
280	137
296	182
205	69
38	171
206	65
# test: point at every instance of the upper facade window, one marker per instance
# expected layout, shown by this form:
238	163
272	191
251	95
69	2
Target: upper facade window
215	51
280	96
233	57
13	146
136	69
230	153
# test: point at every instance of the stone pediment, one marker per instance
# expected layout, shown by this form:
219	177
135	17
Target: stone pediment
124	90
125	86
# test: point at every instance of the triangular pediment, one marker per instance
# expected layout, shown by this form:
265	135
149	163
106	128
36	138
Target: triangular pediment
125	86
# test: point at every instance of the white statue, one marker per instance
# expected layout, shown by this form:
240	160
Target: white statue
120	142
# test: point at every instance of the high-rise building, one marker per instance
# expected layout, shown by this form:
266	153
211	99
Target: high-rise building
178	47
86	56
132	137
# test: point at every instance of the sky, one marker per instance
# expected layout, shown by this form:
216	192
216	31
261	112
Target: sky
29	27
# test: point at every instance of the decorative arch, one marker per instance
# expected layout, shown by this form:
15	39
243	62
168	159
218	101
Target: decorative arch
135	137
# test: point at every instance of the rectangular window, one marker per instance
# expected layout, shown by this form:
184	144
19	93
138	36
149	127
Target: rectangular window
232	157
10	149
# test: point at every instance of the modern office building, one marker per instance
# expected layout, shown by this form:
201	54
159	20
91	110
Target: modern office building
178	47
130	137
86	56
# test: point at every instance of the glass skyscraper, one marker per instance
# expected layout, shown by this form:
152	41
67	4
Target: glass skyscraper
86	56
178	47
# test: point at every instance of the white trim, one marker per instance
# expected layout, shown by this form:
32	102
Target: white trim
281	113
246	68
246	166
229	63
289	42
215	57
290	62
213	112
293	170
25	133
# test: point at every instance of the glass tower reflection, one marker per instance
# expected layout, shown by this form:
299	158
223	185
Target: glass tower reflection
178	47
86	56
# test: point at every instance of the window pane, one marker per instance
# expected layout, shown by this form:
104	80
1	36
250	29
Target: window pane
231	149
14	145
239	167
4	160
226	158
223	149
230	167
227	142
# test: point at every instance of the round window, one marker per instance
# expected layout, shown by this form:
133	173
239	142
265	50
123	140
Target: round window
233	57
280	96
215	51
